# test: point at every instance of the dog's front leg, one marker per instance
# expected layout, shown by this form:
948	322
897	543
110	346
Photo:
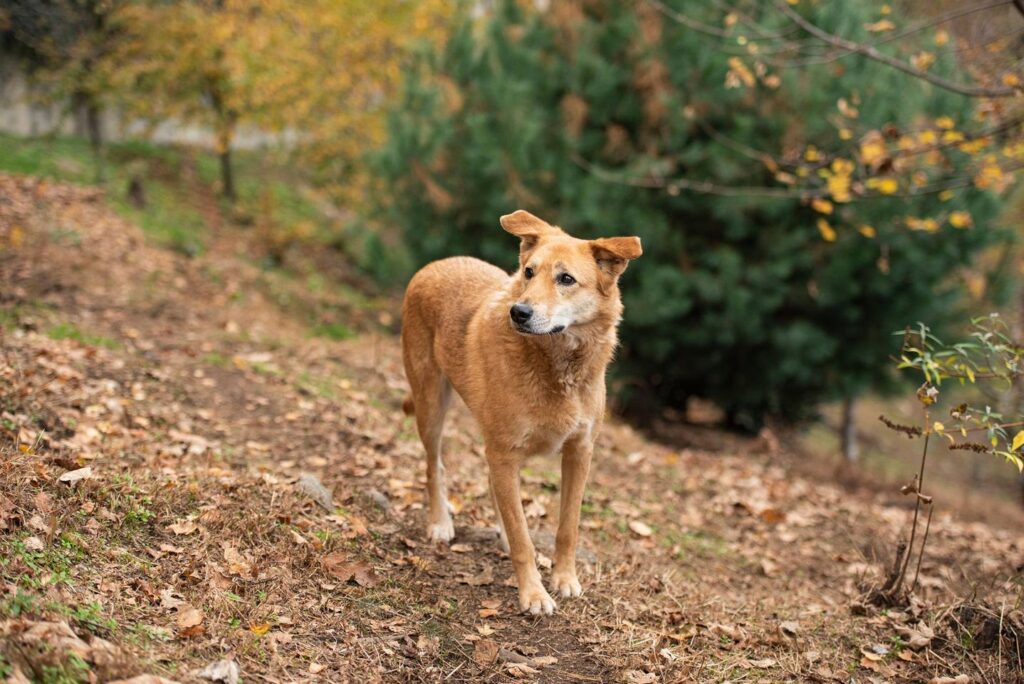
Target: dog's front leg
505	483
576	454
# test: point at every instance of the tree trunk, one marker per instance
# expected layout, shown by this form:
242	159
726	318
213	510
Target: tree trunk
94	126
848	431
227	177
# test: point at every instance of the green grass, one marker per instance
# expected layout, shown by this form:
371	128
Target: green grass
68	331
172	177
334	331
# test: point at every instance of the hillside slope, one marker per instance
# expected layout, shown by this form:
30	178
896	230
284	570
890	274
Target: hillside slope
207	414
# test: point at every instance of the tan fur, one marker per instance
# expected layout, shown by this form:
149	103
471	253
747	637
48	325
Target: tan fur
532	394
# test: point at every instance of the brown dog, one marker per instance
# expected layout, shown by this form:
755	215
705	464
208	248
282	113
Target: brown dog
527	353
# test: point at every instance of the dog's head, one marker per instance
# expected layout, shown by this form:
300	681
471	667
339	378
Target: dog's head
564	282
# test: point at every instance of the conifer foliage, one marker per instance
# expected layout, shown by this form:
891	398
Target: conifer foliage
792	218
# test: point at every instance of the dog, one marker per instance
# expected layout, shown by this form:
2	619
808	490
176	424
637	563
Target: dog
527	352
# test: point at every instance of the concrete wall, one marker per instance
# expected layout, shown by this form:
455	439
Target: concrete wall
22	114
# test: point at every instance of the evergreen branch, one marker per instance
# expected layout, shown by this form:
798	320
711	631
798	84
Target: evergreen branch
804	194
702	187
874	54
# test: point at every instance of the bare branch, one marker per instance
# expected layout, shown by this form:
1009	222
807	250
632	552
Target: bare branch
873	54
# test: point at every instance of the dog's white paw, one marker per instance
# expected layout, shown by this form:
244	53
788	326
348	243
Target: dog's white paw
565	584
535	601
443	531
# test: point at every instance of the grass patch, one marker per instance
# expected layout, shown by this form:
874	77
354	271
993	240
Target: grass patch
68	331
269	192
334	331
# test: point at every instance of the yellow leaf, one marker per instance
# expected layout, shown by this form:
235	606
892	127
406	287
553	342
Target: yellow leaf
960	219
260	629
867	231
1011	80
938	427
923	60
822	206
928	225
873	150
880	26
16	237
828	233
927	137
941	37
946	195
886	186
739	73
945	122
845	134
812	154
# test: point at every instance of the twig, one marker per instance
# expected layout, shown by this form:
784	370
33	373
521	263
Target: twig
917	510
924	542
873	54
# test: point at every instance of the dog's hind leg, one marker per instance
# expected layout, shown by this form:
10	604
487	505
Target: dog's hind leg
431	404
431	395
502	535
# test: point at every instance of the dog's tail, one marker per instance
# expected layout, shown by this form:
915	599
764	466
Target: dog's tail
409	406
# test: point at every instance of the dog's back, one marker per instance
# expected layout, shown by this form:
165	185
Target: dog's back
439	303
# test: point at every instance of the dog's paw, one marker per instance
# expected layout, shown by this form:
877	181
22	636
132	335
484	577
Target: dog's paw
535	601
443	531
565	584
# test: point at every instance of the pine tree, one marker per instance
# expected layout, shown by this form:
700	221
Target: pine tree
763	304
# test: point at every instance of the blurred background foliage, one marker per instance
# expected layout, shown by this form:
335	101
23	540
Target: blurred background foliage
765	299
807	175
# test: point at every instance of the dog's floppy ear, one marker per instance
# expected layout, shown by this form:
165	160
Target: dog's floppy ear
614	254
527	228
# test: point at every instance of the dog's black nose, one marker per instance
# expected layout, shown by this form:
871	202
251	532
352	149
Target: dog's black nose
521	313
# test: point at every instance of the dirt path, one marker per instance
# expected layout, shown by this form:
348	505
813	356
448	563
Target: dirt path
199	401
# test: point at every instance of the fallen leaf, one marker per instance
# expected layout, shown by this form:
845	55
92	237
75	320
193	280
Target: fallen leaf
764	663
917	637
485	577
959	679
520	670
310	485
190	621
169	600
640	528
33	544
73	476
183	527
485	652
338	566
789	629
260	629
225	671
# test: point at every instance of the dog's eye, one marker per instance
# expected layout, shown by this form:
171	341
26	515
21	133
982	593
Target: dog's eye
566	279
528	272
